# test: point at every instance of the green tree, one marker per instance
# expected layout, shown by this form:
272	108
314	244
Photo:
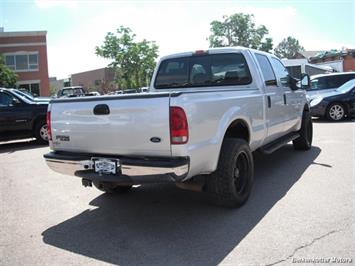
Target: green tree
134	62
239	30
288	48
52	90
7	77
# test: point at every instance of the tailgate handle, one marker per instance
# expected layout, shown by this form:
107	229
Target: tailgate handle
101	109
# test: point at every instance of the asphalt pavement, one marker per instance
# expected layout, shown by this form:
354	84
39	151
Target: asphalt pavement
301	211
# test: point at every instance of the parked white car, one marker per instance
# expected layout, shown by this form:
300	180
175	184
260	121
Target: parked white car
205	114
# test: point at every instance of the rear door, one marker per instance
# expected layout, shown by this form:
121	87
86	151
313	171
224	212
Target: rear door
118	125
274	99
14	114
292	99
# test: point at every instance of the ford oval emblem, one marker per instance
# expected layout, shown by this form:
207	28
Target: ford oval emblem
155	139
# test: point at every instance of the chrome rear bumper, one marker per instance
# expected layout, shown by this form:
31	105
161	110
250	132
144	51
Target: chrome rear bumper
131	170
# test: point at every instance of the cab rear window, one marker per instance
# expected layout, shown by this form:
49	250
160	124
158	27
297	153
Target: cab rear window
203	71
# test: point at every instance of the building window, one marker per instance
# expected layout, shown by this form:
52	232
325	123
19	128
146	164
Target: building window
33	88
33	61
10	62
22	62
97	82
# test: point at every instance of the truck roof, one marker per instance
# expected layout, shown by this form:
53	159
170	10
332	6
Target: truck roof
213	51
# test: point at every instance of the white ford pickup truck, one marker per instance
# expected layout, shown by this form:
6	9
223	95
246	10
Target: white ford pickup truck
205	115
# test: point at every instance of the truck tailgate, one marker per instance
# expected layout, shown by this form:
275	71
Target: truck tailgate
127	130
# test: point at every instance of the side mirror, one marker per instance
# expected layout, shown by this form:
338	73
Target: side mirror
293	83
15	102
305	81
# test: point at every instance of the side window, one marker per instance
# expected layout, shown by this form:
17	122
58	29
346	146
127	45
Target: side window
318	83
281	71
78	91
7	100
334	81
266	68
67	92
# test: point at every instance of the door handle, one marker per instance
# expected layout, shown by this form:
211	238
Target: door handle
101	109
269	101
285	102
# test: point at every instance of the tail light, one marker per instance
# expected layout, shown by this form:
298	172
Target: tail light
179	129
49	129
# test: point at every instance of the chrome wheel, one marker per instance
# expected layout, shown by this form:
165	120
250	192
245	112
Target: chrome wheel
336	112
43	132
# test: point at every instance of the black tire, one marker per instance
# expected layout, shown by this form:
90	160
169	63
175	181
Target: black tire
230	185
40	132
304	141
336	112
111	187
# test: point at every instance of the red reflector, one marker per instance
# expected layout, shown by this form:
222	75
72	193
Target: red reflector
49	129
179	129
200	52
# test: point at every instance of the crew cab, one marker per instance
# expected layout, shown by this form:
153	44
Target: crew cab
205	114
21	117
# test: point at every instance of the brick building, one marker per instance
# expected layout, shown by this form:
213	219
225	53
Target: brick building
26	54
339	60
101	80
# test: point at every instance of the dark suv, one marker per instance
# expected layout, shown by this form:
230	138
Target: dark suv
328	82
21	117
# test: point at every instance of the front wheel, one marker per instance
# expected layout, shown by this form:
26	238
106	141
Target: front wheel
230	185
336	112
304	141
111	187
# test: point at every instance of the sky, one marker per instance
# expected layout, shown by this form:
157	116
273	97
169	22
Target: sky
75	28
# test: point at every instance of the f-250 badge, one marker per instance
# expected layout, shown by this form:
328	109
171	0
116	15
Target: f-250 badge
62	138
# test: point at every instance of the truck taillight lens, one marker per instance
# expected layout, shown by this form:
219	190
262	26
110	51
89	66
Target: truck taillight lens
179	129
49	129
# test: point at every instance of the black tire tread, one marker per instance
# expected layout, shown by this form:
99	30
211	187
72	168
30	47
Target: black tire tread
301	142
220	187
36	132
